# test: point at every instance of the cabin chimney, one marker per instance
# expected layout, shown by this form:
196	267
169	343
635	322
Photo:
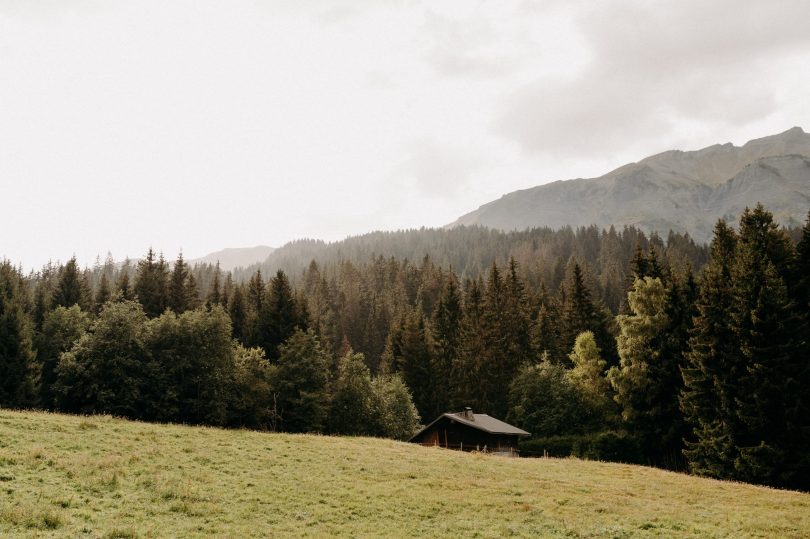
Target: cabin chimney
468	414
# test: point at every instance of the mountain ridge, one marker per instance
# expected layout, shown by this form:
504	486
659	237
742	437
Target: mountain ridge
685	191
235	257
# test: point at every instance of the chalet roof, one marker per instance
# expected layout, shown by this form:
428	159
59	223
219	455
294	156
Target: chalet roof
482	422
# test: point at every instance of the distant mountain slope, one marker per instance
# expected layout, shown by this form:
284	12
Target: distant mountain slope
238	257
681	191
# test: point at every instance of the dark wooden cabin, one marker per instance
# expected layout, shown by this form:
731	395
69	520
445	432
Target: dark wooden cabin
467	431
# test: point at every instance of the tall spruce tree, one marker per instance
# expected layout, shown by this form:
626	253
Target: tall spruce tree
507	328
801	289
517	320
192	293
178	295
498	366
643	381
124	287
580	313
772	408
70	287
214	296
103	294
411	357
255	296
279	316
446	332
302	383
545	330
238	312
712	367
468	372
152	284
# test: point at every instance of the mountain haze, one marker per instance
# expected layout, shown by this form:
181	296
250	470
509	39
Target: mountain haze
684	191
235	257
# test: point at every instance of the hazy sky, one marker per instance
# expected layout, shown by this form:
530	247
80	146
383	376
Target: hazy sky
202	125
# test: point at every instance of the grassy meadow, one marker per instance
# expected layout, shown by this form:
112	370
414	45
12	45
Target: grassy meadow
66	476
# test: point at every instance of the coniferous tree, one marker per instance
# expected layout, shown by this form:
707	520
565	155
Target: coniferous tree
238	312
497	367
214	296
506	327
18	374
123	287
178	294
254	305
654	267
468	372
70	288
446	332
103	294
679	308
41	304
579	313
192	367
773	413
253	402
302	383
61	328
712	367
353	408
192	293
227	289
279	317
545	329
411	357
643	381
589	376
545	334
517	321
638	264
801	290
152	284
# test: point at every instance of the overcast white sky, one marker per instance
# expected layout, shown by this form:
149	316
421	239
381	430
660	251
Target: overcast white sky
202	125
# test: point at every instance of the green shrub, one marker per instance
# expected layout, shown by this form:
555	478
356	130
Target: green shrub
551	446
607	446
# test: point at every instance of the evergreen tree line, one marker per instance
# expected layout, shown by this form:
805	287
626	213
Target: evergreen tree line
708	373
151	349
713	373
543	254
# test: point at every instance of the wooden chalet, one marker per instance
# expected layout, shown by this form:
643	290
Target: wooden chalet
466	431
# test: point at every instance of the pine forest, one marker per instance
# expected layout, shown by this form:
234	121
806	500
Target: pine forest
603	344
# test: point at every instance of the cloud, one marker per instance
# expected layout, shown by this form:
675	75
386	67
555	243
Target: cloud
437	170
465	47
654	66
48	9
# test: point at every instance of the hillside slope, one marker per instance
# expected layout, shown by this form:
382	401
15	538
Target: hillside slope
675	190
65	476
235	257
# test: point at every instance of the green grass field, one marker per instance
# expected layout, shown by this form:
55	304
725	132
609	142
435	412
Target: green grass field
65	476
